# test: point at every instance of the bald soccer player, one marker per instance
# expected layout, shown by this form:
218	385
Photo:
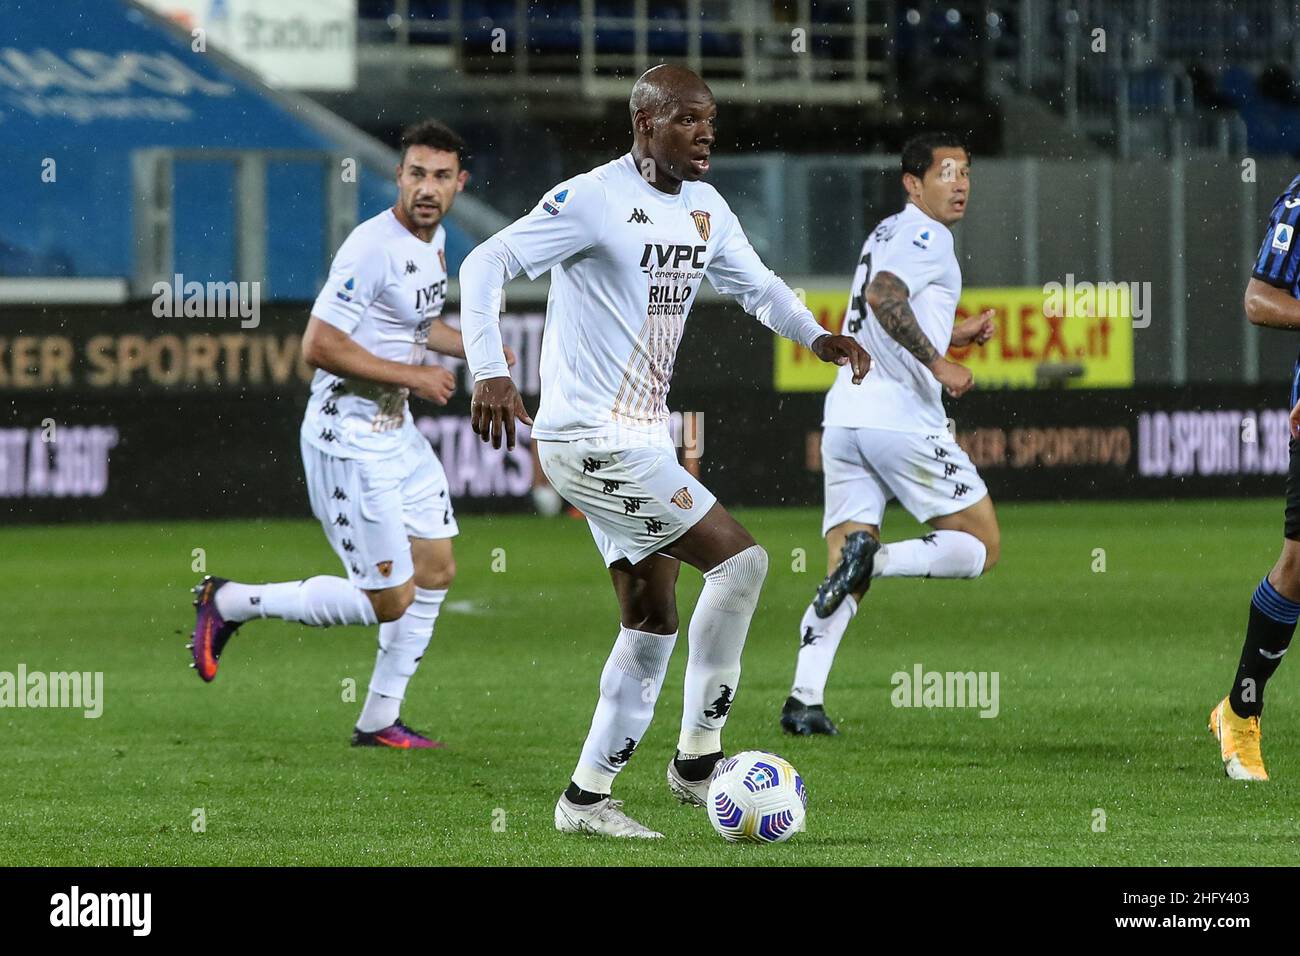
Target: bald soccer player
627	246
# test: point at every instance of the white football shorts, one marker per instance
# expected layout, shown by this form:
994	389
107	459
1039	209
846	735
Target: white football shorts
638	499
863	468
371	508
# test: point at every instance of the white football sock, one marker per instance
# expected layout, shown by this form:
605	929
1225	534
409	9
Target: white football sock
319	601
819	638
940	554
717	636
402	643
379	712
629	687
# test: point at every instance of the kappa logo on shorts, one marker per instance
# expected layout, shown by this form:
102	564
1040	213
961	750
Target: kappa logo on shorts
385	568
632	505
654	525
682	498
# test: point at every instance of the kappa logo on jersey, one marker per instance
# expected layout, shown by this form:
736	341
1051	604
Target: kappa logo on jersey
922	239
1292	203
675	256
385	568
347	289
558	198
1282	237
682	498
640	218
701	223
411	267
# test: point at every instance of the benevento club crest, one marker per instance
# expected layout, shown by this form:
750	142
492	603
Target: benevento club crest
682	498
385	568
701	223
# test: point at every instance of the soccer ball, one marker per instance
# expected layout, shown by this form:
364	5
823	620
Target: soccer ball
757	797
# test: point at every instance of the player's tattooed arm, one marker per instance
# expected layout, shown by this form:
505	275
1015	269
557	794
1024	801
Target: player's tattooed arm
887	295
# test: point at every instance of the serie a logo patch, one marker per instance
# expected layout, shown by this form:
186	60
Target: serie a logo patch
1282	237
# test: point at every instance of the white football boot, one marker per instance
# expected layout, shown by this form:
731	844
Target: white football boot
693	793
605	818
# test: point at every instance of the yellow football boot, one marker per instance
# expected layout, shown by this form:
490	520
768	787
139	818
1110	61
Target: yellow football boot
1238	743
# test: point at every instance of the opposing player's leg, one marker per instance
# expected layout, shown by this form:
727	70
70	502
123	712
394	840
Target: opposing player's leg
629	688
370	541
1274	610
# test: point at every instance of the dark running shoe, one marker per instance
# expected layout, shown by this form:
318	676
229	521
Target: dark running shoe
211	630
804	720
857	558
396	735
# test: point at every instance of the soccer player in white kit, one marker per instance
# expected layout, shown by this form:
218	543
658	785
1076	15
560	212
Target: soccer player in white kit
375	484
889	438
628	246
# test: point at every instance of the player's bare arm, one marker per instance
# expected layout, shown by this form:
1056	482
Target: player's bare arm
446	340
1271	307
976	330
334	351
888	296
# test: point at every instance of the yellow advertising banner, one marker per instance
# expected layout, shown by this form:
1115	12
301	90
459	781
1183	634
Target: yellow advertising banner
1082	325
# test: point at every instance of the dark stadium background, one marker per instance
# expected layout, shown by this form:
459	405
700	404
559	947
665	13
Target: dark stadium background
1154	161
1137	463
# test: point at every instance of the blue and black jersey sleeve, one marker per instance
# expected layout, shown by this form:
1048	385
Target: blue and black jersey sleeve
1278	262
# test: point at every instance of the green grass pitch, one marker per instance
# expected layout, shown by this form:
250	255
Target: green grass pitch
1106	679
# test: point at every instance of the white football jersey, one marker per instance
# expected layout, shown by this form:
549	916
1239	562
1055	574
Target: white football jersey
385	288
899	393
626	262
